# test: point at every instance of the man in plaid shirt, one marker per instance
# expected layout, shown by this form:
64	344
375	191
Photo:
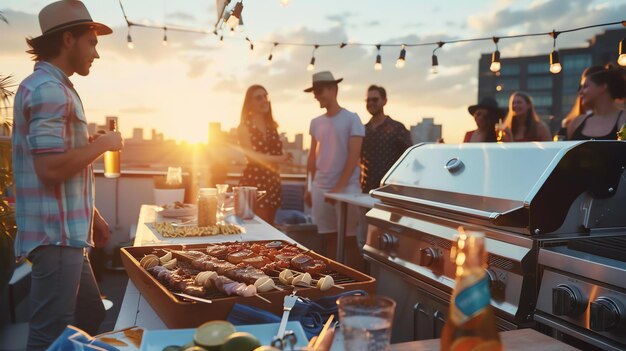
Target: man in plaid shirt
52	157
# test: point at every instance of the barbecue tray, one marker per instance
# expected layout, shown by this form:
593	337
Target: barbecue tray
176	312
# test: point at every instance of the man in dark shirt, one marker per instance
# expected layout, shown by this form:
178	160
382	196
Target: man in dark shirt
385	140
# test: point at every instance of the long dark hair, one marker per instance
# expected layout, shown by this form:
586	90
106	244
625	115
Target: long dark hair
613	78
245	109
532	119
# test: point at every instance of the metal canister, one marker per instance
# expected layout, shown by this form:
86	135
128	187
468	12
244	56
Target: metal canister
245	201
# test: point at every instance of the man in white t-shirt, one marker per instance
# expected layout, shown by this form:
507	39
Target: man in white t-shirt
333	161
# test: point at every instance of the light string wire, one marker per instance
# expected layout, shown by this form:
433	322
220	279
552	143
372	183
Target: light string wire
342	44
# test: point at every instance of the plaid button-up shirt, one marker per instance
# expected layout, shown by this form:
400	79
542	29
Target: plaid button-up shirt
49	118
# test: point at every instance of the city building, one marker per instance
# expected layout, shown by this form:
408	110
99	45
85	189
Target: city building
553	94
426	131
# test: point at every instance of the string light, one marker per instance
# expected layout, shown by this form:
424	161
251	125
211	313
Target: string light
269	58
400	60
235	15
311	65
378	65
284	3
165	36
495	58
129	40
240	27
435	61
555	64
621	60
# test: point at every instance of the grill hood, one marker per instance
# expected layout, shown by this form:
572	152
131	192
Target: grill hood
536	188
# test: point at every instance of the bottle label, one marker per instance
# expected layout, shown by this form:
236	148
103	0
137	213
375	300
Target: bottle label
473	298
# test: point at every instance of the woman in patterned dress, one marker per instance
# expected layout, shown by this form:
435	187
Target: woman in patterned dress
259	140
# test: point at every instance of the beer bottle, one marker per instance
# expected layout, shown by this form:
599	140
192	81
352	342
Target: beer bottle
471	323
112	158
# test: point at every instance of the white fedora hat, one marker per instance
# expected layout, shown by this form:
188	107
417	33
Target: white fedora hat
321	78
64	14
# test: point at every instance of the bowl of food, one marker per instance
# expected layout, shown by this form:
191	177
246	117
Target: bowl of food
178	209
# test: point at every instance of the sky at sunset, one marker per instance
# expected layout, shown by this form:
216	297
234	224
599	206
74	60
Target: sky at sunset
179	88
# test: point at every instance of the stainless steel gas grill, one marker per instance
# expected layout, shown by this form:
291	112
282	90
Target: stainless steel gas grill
524	196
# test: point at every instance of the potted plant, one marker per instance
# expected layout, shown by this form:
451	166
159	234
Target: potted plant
8	228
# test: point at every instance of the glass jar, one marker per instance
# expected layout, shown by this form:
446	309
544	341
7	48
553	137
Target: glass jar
207	207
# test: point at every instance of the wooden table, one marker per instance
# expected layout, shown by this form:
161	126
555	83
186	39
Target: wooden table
359	200
514	340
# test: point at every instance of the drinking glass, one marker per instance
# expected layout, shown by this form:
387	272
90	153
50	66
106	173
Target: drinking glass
366	321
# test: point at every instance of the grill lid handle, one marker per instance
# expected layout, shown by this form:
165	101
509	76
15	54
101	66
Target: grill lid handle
454	165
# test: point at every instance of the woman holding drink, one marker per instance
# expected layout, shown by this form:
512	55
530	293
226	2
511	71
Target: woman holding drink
522	122
259	140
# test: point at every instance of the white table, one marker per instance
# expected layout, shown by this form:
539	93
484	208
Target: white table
359	200
135	310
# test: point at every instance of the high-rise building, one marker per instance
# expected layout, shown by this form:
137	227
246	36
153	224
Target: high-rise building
138	134
426	131
553	94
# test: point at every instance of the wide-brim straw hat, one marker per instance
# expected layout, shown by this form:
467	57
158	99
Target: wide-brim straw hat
322	78
489	104
65	14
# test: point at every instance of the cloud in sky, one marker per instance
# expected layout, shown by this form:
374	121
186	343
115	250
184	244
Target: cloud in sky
195	61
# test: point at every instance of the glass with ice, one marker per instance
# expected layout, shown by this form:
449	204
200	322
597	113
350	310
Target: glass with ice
366	321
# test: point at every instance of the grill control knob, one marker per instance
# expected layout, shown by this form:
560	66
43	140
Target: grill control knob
387	241
567	301
428	256
496	285
605	314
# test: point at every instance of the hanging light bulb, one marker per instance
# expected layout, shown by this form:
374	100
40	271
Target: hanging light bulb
284	3
269	58
400	60
495	62
251	44
378	65
164	37
233	19
311	65
435	61
240	27
555	64
129	40
495	58
621	60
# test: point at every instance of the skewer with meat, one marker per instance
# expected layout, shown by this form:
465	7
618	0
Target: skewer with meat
177	281
248	274
308	264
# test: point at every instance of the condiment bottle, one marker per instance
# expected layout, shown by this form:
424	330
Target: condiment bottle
207	207
471	322
112	158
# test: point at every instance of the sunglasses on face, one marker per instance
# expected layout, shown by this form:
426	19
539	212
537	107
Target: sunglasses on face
372	100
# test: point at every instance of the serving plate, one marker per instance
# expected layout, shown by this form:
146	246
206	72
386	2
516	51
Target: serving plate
158	339
188	210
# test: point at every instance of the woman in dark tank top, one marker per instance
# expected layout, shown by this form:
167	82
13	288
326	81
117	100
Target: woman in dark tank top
598	92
